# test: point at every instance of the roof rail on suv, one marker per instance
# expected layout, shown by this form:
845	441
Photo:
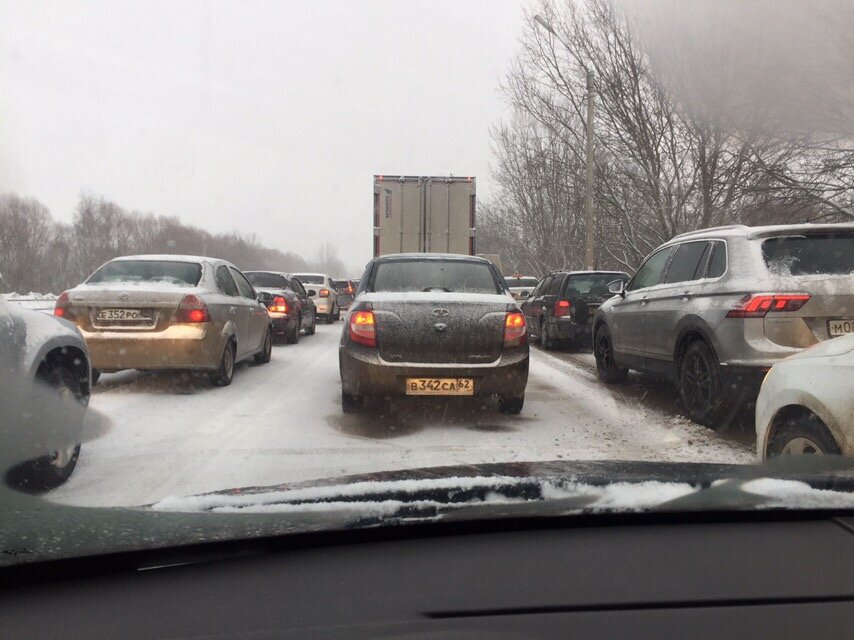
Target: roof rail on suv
702	232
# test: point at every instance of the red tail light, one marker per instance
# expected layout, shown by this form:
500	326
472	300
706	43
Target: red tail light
192	310
324	293
63	307
363	328
562	307
758	304
278	305
349	288
515	329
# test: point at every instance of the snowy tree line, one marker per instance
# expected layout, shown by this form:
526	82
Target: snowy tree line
38	253
663	165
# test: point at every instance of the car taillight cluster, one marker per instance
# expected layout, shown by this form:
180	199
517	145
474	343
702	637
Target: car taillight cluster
278	305
363	328
515	329
562	307
192	309
63	307
324	293
758	304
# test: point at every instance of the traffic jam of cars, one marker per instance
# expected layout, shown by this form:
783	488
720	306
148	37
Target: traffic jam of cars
731	316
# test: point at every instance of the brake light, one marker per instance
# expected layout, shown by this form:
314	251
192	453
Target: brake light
278	305
363	328
562	307
758	304
515	329
63	307
324	293
349	288
192	309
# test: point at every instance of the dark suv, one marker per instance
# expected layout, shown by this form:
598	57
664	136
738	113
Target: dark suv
560	308
714	309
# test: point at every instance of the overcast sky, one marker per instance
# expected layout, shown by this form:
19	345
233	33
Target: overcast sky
262	117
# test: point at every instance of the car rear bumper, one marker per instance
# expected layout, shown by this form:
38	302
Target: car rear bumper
283	323
323	306
195	346
364	373
566	329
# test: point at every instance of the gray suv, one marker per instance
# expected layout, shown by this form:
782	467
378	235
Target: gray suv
714	309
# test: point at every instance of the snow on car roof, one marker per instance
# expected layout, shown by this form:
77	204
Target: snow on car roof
168	257
743	231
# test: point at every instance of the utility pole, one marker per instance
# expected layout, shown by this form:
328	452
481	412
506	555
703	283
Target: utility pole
589	261
591	167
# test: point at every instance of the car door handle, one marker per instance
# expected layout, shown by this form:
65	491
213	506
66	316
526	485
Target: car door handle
233	309
644	300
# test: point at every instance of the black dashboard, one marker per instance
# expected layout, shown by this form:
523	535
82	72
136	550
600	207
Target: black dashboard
734	577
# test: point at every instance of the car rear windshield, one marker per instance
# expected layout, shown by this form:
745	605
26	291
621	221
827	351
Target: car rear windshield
592	284
180	273
521	282
262	280
830	254
308	278
435	275
341	285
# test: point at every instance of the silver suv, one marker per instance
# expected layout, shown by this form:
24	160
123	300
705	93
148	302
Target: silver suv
714	309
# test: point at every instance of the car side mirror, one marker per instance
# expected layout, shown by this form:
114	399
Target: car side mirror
311	293
264	297
617	287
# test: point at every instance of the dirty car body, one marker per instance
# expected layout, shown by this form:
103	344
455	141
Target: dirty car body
154	312
434	324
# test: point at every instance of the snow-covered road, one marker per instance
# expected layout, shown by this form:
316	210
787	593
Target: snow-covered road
171	434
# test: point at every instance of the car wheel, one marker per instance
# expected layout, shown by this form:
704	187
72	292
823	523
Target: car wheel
336	314
700	384
510	406
603	351
224	374
330	319
293	336
802	435
309	331
50	471
350	403
546	341
96	375
266	354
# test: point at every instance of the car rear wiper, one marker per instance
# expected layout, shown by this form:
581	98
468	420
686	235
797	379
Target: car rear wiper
445	289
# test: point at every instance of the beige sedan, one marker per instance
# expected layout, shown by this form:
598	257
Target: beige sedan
169	312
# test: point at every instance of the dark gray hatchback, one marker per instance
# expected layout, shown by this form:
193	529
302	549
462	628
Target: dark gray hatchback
433	325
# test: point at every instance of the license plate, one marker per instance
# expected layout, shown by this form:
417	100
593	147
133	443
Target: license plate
840	327
123	314
439	387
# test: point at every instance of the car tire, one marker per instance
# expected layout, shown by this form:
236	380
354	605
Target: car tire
701	385
224	374
350	403
607	368
510	406
330	319
293	336
266	354
309	331
50	471
336	312
96	375
546	341
802	435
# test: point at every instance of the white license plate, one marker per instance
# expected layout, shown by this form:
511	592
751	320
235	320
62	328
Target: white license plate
439	387
123	314
840	327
